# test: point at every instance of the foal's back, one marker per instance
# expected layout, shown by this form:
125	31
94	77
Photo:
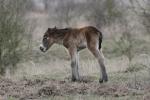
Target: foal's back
82	37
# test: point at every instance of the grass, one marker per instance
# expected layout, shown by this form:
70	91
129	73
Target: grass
55	64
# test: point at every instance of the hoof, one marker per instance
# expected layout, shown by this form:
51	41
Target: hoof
75	80
100	80
103	80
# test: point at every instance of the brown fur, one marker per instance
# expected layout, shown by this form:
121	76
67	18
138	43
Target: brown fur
76	39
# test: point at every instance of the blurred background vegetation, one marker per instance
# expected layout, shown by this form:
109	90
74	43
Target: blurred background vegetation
125	25
12	34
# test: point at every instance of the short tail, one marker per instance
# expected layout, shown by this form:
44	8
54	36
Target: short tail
100	40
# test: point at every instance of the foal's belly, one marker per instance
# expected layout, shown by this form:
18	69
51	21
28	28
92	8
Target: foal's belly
81	45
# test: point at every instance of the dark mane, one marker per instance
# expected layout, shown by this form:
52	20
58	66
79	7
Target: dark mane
64	30
60	33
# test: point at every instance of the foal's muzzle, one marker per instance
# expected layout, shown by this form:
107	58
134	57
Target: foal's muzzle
42	48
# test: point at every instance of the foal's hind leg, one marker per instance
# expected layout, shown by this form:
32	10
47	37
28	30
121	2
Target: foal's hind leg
98	54
74	64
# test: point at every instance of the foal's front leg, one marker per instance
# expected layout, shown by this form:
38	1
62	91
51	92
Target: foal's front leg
74	64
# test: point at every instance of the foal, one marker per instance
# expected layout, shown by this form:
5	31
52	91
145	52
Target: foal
76	39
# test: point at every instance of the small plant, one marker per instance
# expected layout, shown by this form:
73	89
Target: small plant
135	68
125	44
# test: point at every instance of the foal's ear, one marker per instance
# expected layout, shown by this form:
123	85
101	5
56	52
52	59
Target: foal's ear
49	29
55	27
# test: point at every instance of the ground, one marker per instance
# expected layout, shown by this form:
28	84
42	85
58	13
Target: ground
43	88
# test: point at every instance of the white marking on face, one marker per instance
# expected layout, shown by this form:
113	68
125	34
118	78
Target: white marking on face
41	45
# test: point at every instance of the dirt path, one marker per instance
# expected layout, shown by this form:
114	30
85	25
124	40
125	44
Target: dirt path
33	89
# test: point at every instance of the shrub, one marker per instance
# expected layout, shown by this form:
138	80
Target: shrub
12	30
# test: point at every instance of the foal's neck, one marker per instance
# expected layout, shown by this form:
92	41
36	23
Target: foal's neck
60	35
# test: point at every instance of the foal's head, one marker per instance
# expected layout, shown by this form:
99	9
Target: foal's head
48	39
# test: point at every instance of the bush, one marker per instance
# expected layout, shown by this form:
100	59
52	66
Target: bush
11	33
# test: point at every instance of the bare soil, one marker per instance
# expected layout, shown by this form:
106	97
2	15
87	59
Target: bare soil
37	88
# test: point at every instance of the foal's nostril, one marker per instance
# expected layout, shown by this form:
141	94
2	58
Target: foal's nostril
42	49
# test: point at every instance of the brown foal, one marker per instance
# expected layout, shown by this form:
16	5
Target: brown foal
76	39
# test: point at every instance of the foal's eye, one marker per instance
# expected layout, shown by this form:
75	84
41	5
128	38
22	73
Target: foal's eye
47	38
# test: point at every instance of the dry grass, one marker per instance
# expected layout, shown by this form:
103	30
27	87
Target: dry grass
57	63
55	69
